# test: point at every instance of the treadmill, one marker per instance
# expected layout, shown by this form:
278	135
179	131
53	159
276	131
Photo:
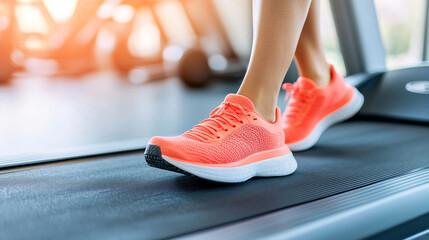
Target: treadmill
372	184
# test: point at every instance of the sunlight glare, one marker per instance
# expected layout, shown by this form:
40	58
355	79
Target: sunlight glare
145	40
60	10
173	19
30	19
123	13
34	43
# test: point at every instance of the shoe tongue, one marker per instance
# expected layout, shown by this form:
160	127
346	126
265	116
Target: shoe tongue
241	100
230	98
305	83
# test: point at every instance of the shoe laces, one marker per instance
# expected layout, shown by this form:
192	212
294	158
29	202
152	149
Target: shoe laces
226	114
297	99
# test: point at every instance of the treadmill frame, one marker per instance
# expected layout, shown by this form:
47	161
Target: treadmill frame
359	36
361	213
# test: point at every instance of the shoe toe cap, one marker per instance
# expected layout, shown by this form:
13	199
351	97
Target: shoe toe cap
169	147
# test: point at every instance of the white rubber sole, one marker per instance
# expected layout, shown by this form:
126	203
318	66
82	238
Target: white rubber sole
272	167
344	113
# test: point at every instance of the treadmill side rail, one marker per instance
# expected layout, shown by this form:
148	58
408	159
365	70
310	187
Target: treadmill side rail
356	214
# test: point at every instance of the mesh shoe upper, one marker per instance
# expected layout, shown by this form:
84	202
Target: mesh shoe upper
234	131
308	104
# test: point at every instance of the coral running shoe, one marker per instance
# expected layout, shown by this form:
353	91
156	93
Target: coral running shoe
233	145
311	110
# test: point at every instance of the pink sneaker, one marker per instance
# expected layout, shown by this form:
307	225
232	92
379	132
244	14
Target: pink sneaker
311	109
233	145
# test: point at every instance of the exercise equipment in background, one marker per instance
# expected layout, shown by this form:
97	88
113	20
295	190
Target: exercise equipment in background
6	66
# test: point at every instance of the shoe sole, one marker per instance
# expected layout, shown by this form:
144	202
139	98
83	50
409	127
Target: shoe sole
271	167
342	114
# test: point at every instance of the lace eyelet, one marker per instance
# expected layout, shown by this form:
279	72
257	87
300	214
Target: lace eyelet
217	137
226	130
241	122
234	126
255	119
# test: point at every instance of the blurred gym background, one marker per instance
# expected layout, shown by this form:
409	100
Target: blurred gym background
77	73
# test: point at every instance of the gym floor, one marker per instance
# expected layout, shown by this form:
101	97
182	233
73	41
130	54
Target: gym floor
42	114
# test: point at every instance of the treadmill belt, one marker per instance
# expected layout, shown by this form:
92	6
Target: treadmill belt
120	197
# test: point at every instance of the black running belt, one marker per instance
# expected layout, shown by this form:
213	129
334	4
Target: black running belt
120	197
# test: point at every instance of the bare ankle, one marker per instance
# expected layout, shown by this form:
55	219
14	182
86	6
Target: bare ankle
267	114
263	106
322	79
321	76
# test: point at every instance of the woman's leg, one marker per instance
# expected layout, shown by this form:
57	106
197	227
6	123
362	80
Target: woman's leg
309	54
244	137
277	26
320	97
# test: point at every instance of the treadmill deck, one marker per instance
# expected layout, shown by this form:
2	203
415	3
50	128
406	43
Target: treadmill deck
119	196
